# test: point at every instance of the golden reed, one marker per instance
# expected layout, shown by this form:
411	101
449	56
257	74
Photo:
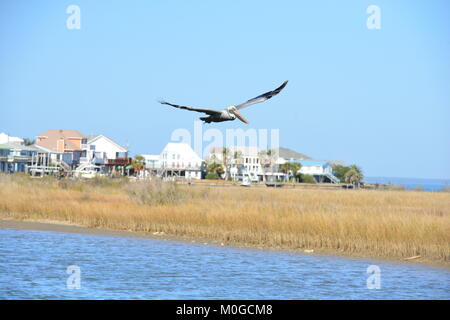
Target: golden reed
385	224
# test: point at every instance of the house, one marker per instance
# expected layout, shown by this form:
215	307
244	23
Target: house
101	150
5	138
80	152
70	143
15	157
175	160
46	161
105	155
151	161
321	171
240	161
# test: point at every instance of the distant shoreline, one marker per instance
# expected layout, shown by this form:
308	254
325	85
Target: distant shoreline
426	184
62	227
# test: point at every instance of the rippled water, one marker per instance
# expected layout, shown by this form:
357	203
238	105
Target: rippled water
33	265
412	183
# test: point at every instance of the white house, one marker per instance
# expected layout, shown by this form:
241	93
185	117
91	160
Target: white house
315	167
100	149
151	161
322	171
241	161
5	138
175	160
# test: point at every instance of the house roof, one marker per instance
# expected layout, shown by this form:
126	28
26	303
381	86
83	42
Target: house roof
53	135
93	138
5	138
311	163
44	149
17	146
182	149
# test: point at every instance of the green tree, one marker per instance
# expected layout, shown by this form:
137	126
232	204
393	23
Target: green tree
354	175
214	167
267	159
212	176
226	157
237	160
306	178
339	171
28	142
348	174
138	162
290	169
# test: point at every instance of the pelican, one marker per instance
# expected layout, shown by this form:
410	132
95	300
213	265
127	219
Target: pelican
230	113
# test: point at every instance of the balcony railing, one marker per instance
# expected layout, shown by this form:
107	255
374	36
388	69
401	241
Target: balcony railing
119	162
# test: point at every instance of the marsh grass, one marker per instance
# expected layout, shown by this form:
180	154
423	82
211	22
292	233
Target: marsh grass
154	192
378	223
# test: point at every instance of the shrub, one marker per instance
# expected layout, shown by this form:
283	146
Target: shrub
306	178
212	176
154	192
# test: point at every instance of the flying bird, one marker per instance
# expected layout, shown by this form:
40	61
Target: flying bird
230	113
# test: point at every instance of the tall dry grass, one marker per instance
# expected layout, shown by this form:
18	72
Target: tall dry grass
393	224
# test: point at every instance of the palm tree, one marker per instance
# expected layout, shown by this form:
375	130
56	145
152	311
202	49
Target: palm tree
214	166
237	159
263	161
354	176
28	142
138	163
225	160
267	159
290	168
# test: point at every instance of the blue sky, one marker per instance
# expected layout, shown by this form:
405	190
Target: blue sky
377	98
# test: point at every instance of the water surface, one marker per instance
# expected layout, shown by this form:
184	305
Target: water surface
412	183
33	265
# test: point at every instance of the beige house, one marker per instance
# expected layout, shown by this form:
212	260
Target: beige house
71	144
61	140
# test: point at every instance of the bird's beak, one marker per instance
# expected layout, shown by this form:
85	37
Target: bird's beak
239	116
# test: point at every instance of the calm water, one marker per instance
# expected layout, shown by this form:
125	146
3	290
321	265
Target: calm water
412	183
33	265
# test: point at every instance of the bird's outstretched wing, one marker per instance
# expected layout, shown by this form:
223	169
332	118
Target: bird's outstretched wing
263	97
207	111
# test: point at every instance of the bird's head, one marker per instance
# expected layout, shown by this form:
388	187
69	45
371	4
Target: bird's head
234	110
